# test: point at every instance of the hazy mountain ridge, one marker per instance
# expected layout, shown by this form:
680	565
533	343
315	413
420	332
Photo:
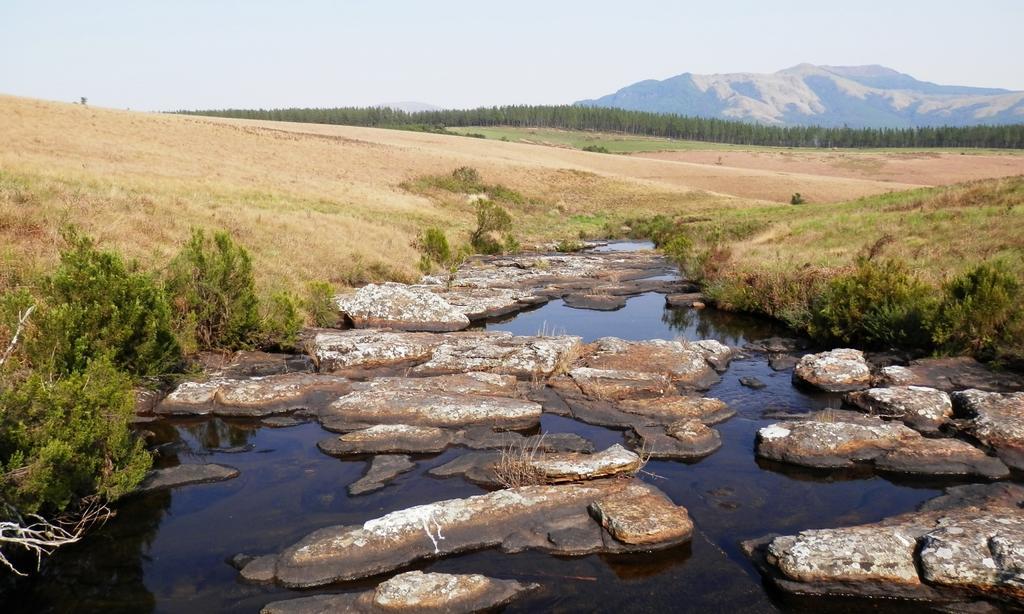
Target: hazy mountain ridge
857	96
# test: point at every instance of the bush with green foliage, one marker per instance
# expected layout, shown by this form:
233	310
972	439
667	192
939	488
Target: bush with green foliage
94	305
213	293
62	440
434	248
491	220
569	245
878	305
679	249
797	199
596	149
281	322
979	312
319	304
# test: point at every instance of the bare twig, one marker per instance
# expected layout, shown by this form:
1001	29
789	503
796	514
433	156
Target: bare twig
41	537
22	320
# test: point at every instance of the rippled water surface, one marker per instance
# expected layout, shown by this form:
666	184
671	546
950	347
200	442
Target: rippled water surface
167	551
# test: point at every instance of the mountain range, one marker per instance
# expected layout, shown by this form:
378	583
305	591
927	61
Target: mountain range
855	96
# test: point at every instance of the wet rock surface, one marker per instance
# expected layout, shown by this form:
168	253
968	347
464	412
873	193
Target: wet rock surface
252	397
182	475
382	471
997	420
921	408
598	302
838	370
960	547
414	592
838	439
534	517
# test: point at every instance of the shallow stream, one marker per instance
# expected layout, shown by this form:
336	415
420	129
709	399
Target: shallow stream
167	551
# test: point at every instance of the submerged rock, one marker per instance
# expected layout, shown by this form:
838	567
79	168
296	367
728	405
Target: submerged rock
382	471
960	547
182	475
997	420
389	439
413	592
839	370
595	302
840	440
401	307
924	409
551	518
253	397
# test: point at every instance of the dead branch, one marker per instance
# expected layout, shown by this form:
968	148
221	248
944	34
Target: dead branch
22	320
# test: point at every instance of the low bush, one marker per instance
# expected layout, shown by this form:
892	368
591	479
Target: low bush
319	304
213	293
67	439
95	305
786	295
569	246
433	246
596	149
796	199
281	321
878	305
492	221
979	312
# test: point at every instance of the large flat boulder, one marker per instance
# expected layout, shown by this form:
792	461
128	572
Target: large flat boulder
995	419
685	363
950	374
921	408
833	439
528	464
413	592
253	397
839	370
551	518
361	350
400	307
959	549
498	352
483	303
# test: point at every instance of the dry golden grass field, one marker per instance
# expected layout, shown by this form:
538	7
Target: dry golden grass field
318	202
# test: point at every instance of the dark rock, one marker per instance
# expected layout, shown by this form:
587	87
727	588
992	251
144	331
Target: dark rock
753	382
183	475
382	471
596	302
688	299
782	362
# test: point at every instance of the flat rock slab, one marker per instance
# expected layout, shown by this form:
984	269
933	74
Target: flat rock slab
839	370
183	475
389	405
401	307
488	468
669	409
613	384
550	518
692	364
402	438
647	519
483	303
361	351
921	408
595	302
413	592
685	299
963	546
686	440
253	397
995	419
951	374
382	471
838	440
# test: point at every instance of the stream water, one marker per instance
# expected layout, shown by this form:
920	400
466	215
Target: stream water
167	551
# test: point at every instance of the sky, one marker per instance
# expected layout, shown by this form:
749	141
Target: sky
193	54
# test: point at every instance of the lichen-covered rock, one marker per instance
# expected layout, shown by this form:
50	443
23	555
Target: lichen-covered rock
551	518
981	553
356	350
830	444
616	384
941	457
500	352
393	405
643	520
690	364
669	409
574	467
382	470
483	303
182	475
681	440
839	370
401	307
924	409
253	397
950	374
389	439
995	419
413	592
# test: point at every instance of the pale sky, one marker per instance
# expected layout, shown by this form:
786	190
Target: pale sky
187	54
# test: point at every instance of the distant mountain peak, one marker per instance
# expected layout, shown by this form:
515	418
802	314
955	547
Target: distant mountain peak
869	95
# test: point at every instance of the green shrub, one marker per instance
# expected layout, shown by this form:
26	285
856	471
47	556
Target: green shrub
501	193
213	293
319	304
879	305
281	322
466	175
679	249
797	199
65	439
491	220
784	294
569	246
435	249
979	311
596	149
94	306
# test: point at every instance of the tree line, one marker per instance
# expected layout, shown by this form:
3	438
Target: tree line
571	117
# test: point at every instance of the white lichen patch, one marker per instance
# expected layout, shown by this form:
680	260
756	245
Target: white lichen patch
774	431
